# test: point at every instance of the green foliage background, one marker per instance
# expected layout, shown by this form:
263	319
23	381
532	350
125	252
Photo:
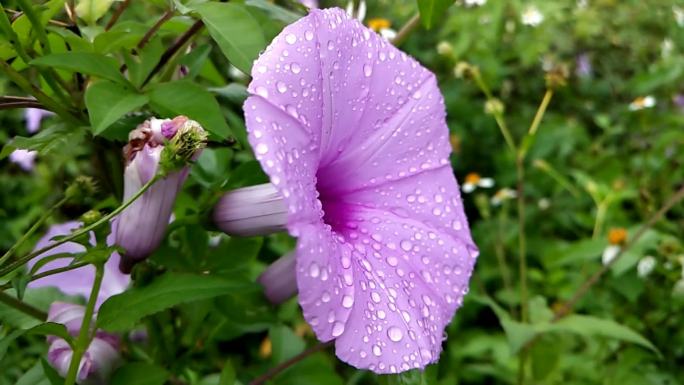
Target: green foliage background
594	165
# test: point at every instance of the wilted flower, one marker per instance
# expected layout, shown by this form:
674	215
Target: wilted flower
384	253
617	237
248	211
642	102
157	146
473	180
502	195
100	358
474	3
26	159
78	281
646	266
531	16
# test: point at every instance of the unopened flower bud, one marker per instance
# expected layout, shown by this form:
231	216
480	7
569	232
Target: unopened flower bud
90	217
98	361
494	107
444	48
82	187
280	279
249	211
156	147
463	69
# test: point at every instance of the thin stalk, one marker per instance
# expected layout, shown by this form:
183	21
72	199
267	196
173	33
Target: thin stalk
522	260
44	274
601	210
148	35
84	336
540	112
85	230
32	230
117	14
29	88
500	251
498	116
589	283
406	30
16	14
177	45
278	369
49	74
22	306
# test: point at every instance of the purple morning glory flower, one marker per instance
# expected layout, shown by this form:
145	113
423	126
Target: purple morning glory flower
78	281
99	360
33	118
352	133
142	225
26	159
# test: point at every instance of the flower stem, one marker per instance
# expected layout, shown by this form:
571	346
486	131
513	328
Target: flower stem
406	30
278	369
84	336
540	112
32	230
589	283
20	262
22	306
498	115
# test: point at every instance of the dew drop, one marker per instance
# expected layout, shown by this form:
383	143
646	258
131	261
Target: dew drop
261	148
338	329
291	38
405	245
347	301
308	35
395	334
282	87
296	68
377	351
262	91
367	70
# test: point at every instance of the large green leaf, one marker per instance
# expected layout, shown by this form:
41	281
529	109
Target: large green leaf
190	99
235	31
84	62
107	102
432	10
139	373
122	311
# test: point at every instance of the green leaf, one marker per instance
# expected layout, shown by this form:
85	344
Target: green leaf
285	344
91	10
83	62
34	376
54	139
190	99
48	328
139	373
107	102
228	375
235	31
594	326
50	373
274	11
431	10
122	311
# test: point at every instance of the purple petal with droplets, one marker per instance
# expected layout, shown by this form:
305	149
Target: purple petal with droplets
352	132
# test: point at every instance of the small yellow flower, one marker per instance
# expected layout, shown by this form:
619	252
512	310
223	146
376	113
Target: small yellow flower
303	329
266	348
378	23
642	102
473	180
617	236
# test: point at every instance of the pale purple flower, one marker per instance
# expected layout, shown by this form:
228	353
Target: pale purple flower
280	279
352	133
25	159
309	3
678	101
583	67
249	211
33	118
100	358
141	226
78	281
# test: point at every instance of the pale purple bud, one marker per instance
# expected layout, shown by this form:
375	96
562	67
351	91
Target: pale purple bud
249	211
142	225
280	279
97	363
583	67
679	101
100	358
25	159
33	118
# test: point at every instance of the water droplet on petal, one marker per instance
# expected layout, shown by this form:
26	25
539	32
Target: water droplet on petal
261	148
282	87
395	334
347	301
338	329
262	91
377	351
291	38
